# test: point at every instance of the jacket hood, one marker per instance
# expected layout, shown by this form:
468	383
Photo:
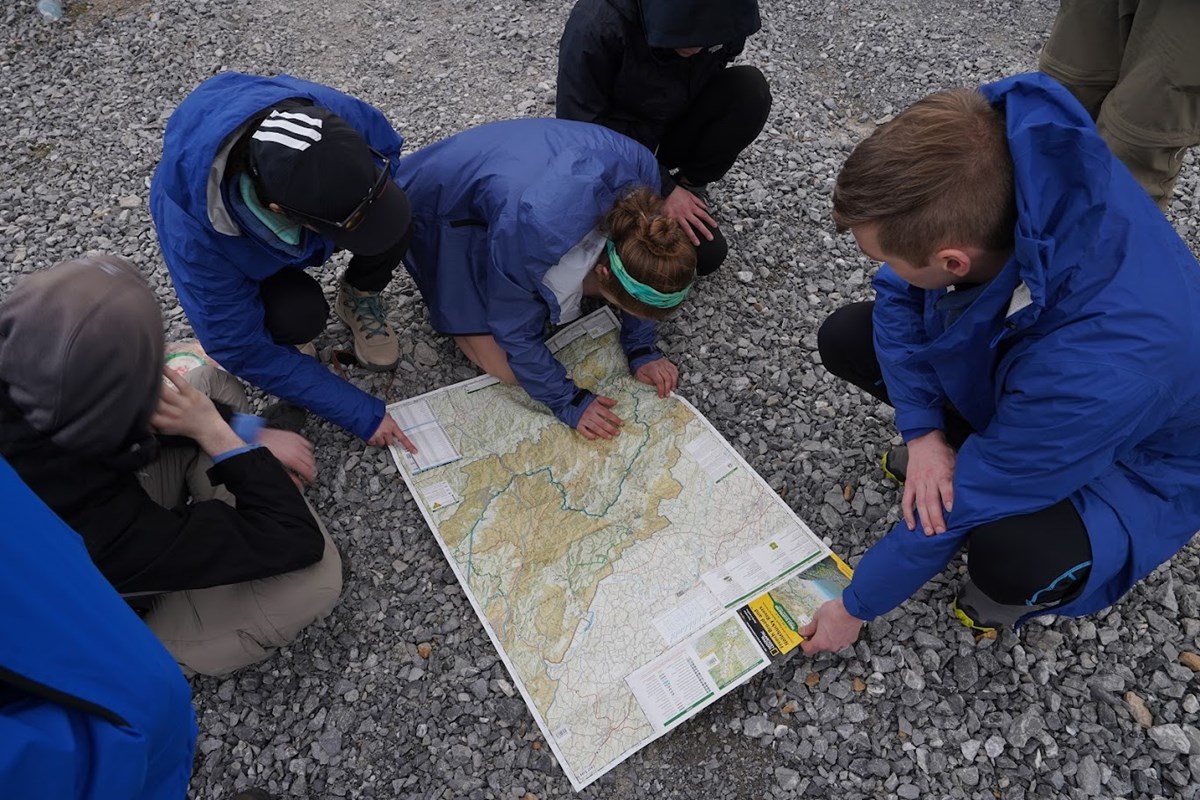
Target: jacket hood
698	23
81	353
1061	172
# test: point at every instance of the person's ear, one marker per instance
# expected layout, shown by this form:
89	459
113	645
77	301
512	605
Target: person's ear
953	260
275	207
602	270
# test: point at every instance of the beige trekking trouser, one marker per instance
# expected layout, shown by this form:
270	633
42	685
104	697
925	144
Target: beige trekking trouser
217	630
1135	66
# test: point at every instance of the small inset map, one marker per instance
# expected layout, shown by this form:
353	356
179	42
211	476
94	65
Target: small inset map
727	653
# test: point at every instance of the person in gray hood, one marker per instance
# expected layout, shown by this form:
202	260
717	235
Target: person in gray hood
147	470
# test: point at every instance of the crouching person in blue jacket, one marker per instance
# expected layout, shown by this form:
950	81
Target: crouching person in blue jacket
260	179
1036	327
514	223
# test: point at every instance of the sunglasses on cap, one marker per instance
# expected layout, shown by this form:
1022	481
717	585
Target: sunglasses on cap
355	217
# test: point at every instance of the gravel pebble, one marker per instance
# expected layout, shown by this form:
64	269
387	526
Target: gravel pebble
1171	737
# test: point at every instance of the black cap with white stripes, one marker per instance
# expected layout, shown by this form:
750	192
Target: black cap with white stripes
322	172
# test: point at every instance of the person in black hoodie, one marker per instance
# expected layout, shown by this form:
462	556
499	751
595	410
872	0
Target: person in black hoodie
81	387
658	71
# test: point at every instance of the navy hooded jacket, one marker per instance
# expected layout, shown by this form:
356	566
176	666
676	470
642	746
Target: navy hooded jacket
91	705
1076	364
495	208
217	267
617	66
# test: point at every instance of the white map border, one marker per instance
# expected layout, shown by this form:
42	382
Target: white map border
520	685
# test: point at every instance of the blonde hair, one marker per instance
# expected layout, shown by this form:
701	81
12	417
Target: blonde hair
939	174
653	248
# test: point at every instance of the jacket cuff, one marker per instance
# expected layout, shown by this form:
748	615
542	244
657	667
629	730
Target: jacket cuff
915	433
237	451
912	422
666	182
380	408
571	413
240	462
642	355
854	605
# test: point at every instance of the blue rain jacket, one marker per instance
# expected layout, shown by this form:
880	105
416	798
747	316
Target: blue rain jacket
91	705
494	209
1077	365
216	267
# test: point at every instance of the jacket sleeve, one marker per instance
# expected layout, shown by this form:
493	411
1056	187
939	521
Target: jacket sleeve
898	321
91	705
210	543
517	317
1053	433
638	339
227	314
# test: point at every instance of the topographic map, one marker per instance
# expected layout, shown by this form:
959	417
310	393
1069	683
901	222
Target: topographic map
614	577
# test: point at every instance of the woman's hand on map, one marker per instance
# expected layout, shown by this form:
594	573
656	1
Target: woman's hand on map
292	450
389	432
598	421
929	484
659	373
831	629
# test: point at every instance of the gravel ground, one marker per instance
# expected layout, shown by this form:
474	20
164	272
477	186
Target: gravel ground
353	710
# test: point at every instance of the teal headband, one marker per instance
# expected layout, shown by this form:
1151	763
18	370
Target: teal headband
640	291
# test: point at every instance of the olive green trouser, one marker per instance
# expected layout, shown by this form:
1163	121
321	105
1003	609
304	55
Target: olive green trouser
218	630
1135	66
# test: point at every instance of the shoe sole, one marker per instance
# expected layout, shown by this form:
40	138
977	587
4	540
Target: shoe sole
367	365
966	620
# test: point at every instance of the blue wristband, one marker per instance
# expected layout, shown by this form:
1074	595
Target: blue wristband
247	426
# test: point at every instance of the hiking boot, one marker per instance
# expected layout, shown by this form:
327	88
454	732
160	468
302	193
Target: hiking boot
895	463
375	343
966	616
982	614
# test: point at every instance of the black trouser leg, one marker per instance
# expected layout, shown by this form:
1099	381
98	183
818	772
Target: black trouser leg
721	122
846	341
295	306
373	273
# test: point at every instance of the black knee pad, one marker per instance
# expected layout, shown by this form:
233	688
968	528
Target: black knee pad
711	254
294	305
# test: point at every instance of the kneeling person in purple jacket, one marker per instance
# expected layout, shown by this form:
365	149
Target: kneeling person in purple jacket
515	222
1036	327
201	529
